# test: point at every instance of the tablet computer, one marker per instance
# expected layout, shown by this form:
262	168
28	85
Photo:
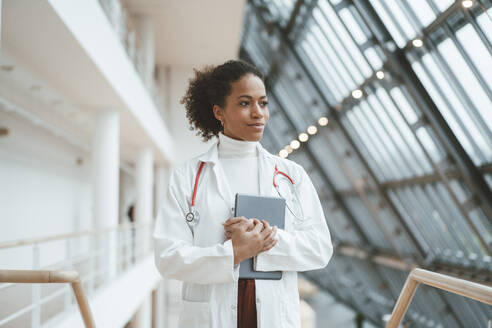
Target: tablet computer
270	209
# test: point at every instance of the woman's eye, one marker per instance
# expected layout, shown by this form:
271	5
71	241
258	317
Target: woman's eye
264	103
244	103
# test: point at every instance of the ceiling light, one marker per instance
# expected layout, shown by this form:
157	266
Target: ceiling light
417	43
380	75
289	149
357	93
295	144
283	153
323	121
312	129
303	137
467	3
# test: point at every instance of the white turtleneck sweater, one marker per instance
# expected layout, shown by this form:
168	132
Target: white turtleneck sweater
239	160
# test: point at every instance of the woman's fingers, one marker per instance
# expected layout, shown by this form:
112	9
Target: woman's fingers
265	224
238	226
267	229
269	241
258	227
234	220
272	234
251	224
267	233
269	245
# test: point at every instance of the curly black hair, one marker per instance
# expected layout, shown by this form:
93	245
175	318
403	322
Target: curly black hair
210	86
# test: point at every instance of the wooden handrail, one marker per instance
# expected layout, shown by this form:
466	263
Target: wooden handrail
44	277
25	242
454	285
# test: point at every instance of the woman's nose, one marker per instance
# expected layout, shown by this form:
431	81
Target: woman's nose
257	111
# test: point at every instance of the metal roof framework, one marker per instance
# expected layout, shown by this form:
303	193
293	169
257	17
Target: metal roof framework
404	166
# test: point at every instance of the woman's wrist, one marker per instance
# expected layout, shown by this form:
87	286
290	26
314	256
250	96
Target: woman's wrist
236	252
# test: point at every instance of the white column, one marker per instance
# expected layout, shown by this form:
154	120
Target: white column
164	91
144	180
106	158
144	174
145	33
161	180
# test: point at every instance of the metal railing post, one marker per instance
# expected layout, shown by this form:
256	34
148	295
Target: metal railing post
36	291
68	261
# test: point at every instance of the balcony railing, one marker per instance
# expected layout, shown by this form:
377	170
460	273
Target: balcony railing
99	256
53	277
478	292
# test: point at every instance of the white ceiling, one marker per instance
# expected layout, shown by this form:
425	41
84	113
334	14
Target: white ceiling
190	33
50	77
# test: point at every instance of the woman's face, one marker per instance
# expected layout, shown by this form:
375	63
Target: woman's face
245	113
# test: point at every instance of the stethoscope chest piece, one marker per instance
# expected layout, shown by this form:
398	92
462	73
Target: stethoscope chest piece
192	217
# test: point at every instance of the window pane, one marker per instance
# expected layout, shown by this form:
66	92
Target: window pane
486	24
353	26
404	105
373	58
422	11
443	4
463	73
392	20
483	61
351	54
446	100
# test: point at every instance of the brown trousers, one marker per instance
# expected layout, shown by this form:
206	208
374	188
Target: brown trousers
246	304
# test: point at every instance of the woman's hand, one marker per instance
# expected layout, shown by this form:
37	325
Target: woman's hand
236	223
247	240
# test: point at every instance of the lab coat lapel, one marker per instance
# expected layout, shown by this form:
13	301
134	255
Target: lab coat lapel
266	168
211	157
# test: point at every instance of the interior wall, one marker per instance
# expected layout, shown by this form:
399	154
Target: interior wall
45	185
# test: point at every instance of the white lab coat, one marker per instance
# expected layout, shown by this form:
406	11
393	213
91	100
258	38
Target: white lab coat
205	261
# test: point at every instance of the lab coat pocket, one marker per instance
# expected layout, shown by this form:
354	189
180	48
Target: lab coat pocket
195	292
195	315
196	306
290	314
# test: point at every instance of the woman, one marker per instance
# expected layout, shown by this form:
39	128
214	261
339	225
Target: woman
229	101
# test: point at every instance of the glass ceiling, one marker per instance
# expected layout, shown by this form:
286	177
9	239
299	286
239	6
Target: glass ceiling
404	165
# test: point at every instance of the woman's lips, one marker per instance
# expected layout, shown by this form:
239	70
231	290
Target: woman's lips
257	126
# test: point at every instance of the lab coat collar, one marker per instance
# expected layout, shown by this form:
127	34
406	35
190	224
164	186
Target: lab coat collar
212	155
265	169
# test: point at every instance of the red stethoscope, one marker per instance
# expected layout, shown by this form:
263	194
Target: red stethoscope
193	217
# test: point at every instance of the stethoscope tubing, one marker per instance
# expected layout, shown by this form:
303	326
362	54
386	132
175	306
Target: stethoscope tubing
196	183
